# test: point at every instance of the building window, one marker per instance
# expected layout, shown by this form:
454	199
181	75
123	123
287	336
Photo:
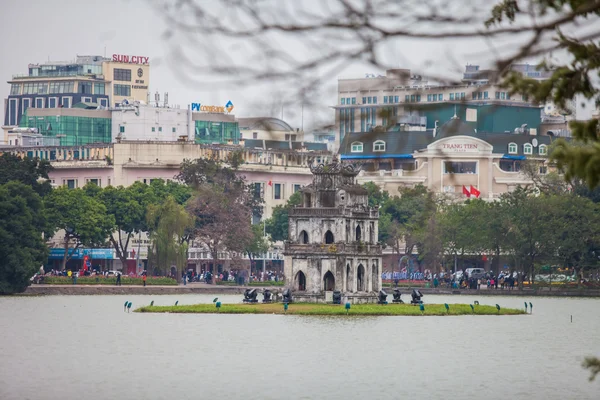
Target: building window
103	102
122	90
497	94
25	105
451	96
460	167
153	129
543	169
440	96
122	75
512	148
379	145
428	97
510	166
357	147
286	137
85	87
61	87
94	181
70	183
527	148
364	101
406	98
258	190
13	107
39	102
160	128
66	102
99	88
121	129
543	149
15	88
254	135
374	99
52	102
86	99
369	100
412	98
485	95
296	187
174	130
277	191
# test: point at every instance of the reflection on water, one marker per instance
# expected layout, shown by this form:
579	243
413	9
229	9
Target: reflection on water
74	347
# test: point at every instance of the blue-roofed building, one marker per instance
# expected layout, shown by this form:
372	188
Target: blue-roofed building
447	158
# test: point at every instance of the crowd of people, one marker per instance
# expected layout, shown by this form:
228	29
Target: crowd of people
239	277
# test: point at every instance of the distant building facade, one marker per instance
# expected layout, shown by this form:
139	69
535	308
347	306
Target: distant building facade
97	80
448	160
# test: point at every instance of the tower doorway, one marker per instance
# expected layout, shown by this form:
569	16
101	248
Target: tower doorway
328	282
300	281
360	278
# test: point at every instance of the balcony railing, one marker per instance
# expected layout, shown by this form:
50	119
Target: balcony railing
332	212
334	248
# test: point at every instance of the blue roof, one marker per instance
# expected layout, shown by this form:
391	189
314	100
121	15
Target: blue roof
365	157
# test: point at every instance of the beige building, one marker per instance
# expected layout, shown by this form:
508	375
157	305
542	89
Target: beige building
267	128
447	161
128	78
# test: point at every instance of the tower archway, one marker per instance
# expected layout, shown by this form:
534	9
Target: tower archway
360	278
358	233
328	282
300	281
349	278
303	237
329	238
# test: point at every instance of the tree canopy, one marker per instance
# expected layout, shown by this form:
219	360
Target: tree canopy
22	248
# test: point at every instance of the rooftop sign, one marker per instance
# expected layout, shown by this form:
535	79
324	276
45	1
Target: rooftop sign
213	109
122	58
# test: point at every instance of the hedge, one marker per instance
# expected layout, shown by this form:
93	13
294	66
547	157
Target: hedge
111	280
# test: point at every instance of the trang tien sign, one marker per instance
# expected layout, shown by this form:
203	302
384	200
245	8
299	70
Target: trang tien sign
459	147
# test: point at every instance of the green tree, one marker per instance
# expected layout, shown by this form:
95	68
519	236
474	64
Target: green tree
258	244
22	248
277	225
29	171
82	219
167	223
377	197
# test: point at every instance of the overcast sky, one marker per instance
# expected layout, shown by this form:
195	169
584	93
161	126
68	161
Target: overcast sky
36	31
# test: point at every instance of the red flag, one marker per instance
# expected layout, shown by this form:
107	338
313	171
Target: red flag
133	253
270	183
466	192
475	192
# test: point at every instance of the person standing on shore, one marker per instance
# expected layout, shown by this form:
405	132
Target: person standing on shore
144	278
118	279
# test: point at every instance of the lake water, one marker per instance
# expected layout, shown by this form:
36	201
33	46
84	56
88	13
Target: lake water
86	347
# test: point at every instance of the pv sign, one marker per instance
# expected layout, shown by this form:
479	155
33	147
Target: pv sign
196	106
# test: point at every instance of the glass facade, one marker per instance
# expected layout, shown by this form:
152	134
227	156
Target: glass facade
216	132
72	131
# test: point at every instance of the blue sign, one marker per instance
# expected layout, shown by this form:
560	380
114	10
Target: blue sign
100	254
196	106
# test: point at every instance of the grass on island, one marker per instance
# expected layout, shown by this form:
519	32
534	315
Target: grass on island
330	309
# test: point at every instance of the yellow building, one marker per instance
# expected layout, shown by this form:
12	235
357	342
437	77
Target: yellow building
128	78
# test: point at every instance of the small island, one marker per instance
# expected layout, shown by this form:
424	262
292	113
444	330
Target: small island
332	309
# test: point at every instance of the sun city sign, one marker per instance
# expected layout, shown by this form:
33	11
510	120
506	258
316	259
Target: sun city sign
213	109
130	59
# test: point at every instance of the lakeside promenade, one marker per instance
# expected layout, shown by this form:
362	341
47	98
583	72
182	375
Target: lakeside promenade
203	288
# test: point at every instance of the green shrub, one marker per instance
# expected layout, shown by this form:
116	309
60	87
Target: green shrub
266	283
111	280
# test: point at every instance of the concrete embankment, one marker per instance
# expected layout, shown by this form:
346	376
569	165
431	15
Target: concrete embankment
41	290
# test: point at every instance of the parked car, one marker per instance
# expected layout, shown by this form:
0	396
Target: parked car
477	273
